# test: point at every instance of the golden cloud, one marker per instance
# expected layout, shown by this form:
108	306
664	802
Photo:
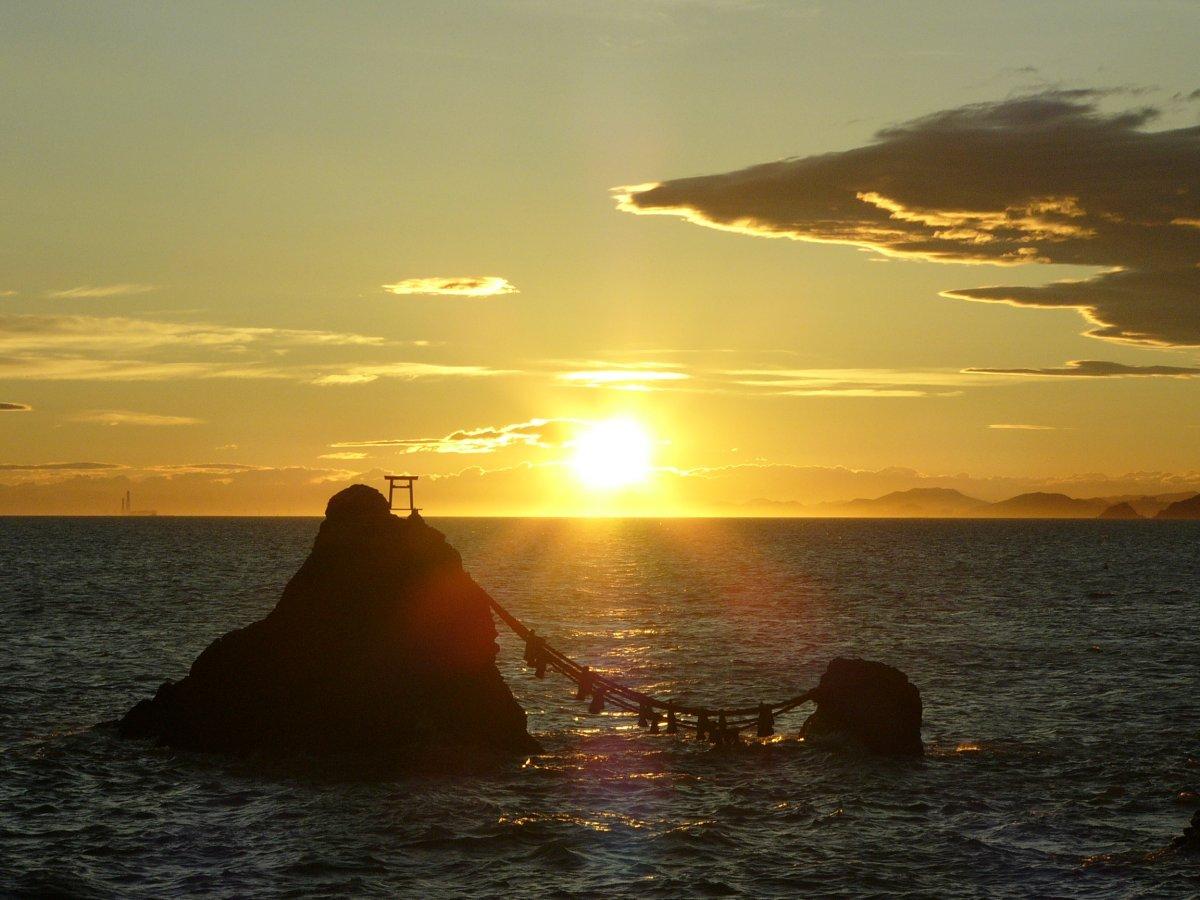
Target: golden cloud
544	433
406	371
621	378
461	286
114	417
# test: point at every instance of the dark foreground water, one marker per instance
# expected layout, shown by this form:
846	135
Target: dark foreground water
1058	661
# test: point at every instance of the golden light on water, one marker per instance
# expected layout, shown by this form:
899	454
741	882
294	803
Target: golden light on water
613	453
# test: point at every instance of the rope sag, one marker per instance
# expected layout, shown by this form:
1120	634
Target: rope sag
718	725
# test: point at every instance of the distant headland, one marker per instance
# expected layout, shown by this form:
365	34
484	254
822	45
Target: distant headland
948	503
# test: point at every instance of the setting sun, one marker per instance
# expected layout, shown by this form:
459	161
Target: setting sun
613	453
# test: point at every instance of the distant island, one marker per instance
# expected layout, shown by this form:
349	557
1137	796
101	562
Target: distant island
1122	510
947	503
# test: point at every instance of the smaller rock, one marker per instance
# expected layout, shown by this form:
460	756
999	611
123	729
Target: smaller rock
870	703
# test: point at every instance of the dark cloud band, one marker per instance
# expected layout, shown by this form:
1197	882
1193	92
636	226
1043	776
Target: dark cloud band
1097	368
1047	179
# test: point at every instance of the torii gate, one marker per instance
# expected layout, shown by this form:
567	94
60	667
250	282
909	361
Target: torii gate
405	481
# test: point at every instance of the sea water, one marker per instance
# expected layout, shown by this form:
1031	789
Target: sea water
1058	663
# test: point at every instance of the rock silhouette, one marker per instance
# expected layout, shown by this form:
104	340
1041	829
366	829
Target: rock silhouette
381	644
870	703
1182	509
1120	511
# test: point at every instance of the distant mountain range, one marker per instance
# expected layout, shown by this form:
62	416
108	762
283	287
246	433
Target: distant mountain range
923	502
947	503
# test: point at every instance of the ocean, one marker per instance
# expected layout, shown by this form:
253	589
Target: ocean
1057	661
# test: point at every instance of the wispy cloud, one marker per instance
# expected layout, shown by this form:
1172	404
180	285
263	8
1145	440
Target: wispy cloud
117	348
774	381
834	390
206	467
621	378
545	433
1020	426
406	371
345	454
1097	368
99	292
15	407
114	417
461	286
118	334
74	368
1046	178
862	382
58	467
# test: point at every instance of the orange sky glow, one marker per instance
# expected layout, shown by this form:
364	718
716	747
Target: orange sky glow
507	246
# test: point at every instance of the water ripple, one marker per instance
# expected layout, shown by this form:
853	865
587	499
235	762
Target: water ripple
1056	661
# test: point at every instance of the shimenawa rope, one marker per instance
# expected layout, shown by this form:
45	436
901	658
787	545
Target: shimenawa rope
718	725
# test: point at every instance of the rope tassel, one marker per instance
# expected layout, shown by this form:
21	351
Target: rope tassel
531	649
535	654
766	721
643	715
585	684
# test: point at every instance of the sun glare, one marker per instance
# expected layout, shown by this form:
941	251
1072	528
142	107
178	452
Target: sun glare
612	454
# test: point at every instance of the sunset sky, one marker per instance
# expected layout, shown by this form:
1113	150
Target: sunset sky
659	256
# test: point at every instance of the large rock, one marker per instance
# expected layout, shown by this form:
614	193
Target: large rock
380	644
869	703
